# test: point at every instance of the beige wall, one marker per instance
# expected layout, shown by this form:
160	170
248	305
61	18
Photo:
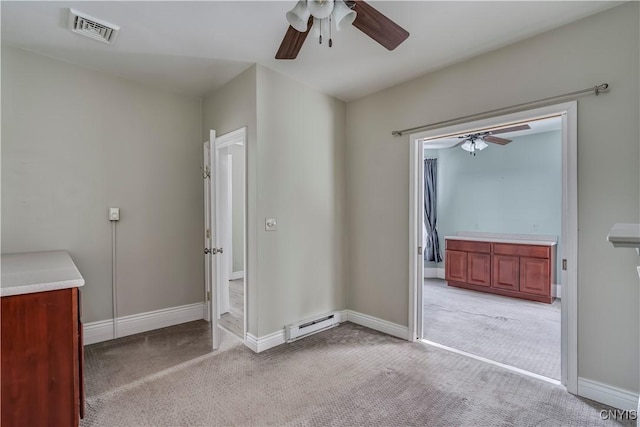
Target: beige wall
301	182
74	143
598	49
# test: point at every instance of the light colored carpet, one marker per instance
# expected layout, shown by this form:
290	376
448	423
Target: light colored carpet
116	363
234	319
347	375
520	333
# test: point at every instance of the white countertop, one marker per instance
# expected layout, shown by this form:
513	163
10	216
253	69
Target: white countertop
625	236
521	239
31	272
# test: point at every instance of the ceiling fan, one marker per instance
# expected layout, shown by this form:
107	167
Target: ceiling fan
478	141
319	15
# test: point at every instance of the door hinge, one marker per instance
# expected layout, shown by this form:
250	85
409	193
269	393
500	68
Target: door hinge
206	173
564	264
208	295
419	250
208	233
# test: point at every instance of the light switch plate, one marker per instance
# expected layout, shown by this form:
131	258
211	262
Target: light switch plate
270	224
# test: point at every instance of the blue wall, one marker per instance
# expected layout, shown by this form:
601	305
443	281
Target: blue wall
516	188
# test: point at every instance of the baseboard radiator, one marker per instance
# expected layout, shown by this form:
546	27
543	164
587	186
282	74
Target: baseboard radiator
302	329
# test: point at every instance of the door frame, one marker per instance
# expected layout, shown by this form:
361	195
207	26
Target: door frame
236	137
210	283
568	112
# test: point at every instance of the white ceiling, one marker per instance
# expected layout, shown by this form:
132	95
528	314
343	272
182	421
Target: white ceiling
195	47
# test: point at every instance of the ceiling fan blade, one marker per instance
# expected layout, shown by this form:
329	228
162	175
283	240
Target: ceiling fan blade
496	140
510	129
377	26
292	42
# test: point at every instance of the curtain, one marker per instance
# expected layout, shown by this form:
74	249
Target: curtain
432	247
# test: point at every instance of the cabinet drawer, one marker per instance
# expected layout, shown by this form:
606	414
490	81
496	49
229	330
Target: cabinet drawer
469	246
521	250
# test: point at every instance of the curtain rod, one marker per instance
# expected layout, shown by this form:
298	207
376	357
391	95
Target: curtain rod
596	89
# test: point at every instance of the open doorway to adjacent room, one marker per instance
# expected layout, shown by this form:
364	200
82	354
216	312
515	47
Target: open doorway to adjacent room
495	229
231	188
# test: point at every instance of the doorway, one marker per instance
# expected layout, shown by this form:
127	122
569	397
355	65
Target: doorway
225	232
565	310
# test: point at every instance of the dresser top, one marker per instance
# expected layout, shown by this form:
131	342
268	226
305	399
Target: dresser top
522	239
625	236
30	272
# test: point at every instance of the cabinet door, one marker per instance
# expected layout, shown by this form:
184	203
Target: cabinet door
479	269
38	362
535	276
506	272
456	266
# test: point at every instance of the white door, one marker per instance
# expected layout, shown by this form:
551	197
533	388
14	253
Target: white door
209	248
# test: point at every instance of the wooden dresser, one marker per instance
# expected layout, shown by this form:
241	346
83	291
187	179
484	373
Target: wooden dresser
41	353
521	270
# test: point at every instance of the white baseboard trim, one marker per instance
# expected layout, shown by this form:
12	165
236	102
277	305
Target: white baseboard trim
434	273
378	324
609	395
259	344
97	331
102	330
236	275
430	272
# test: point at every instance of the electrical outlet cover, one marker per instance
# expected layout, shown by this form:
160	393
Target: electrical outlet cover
114	214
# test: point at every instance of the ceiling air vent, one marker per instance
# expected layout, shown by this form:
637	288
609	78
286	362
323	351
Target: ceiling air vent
89	26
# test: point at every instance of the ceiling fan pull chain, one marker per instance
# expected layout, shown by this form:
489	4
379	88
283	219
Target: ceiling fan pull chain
330	40
320	27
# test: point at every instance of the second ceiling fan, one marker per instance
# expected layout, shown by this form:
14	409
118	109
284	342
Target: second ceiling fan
478	141
320	15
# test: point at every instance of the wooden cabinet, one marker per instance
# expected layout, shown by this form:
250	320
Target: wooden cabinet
511	269
479	269
468	262
40	357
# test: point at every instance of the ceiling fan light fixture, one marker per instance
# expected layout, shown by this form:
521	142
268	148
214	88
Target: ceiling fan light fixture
480	144
298	17
320	9
343	15
473	145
